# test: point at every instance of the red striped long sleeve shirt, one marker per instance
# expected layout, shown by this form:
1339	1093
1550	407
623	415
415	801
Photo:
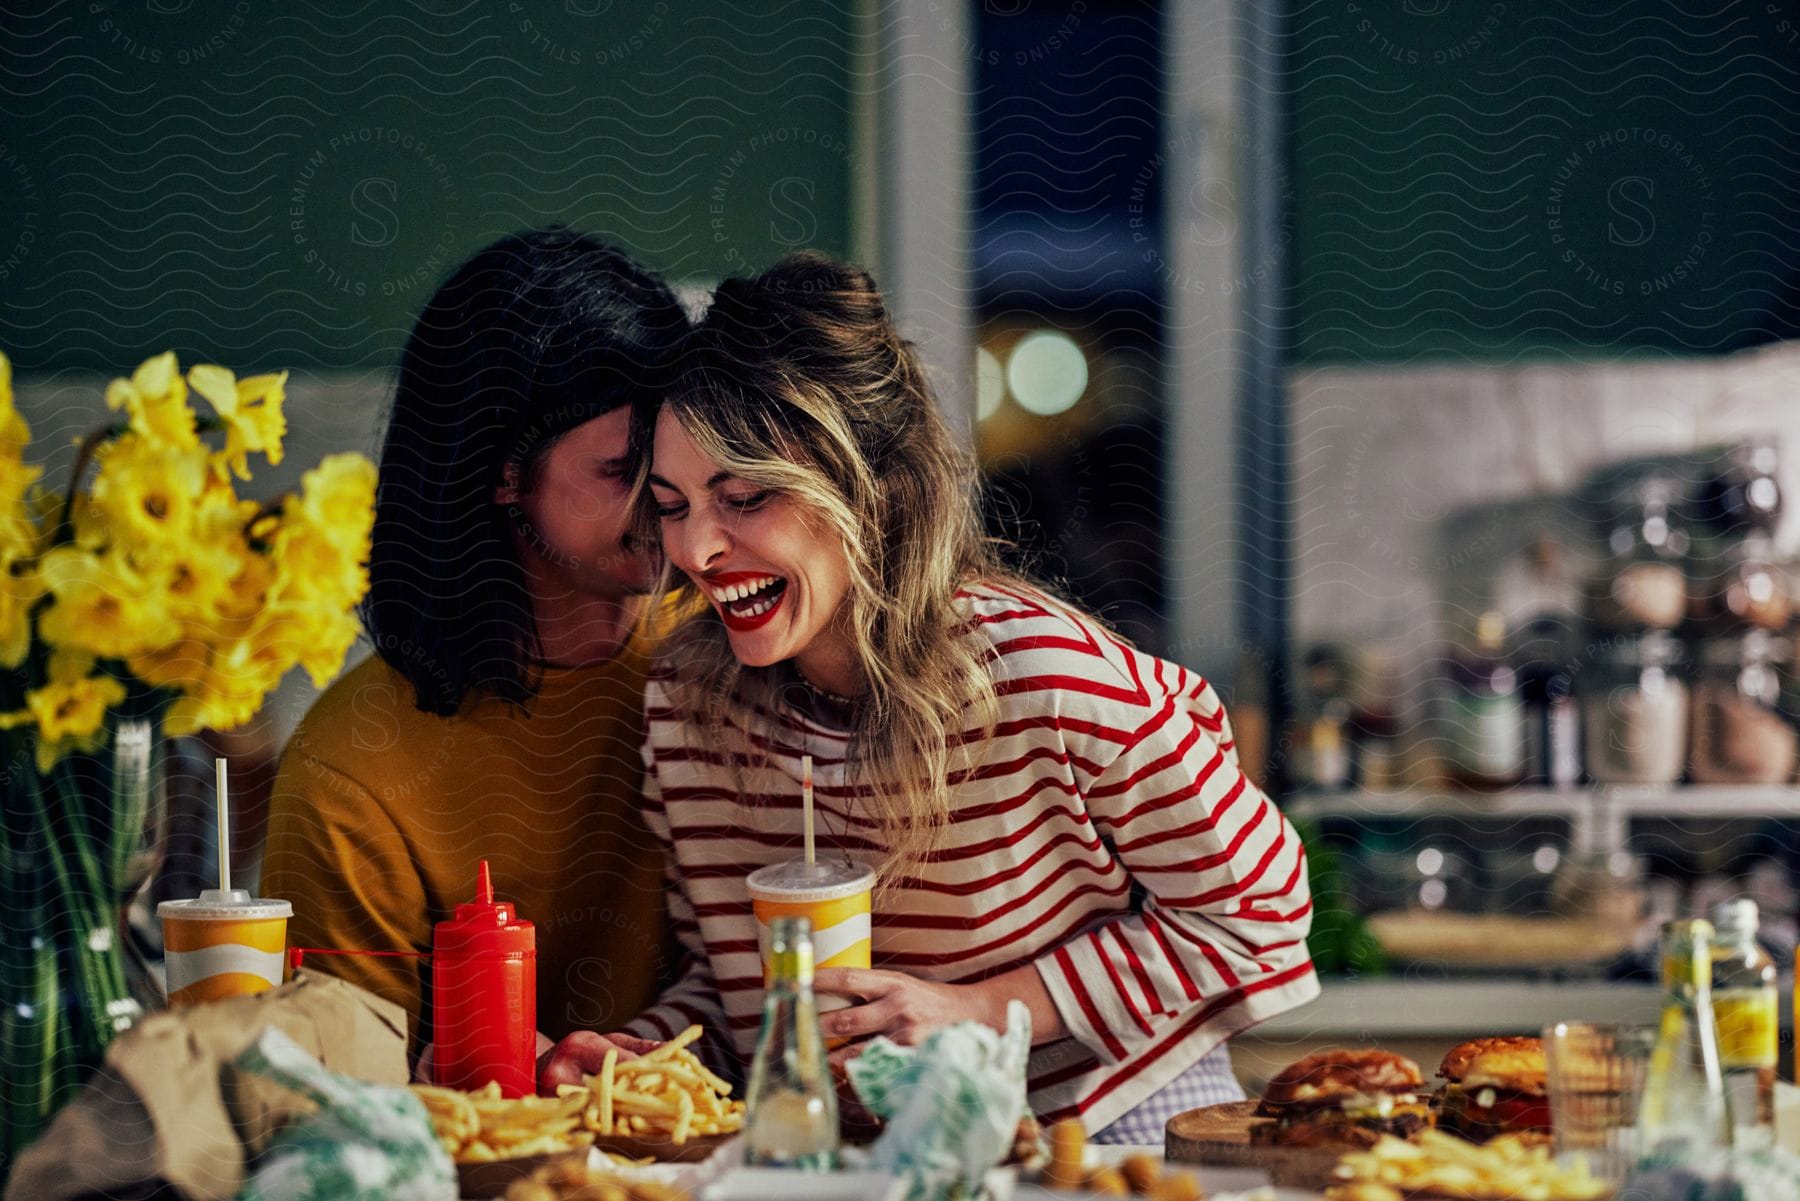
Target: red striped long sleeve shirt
1108	838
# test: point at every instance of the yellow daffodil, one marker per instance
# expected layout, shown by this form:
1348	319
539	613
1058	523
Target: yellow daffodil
159	567
238	676
180	664
18	527
20	588
330	633
155	399
69	713
15	435
337	498
145	495
251	409
313	569
103	605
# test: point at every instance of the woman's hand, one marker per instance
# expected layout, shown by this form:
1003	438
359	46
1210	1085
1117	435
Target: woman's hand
904	1008
583	1053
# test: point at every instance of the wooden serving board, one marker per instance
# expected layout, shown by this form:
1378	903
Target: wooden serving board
1220	1134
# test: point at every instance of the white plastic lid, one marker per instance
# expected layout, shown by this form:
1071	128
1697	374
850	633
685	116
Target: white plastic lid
214	904
798	881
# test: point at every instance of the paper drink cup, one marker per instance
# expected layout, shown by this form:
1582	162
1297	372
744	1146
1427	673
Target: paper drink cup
223	944
834	897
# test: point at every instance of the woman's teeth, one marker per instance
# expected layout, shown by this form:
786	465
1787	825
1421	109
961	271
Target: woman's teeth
734	592
746	600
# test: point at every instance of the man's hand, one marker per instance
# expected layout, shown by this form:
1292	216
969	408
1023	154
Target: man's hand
582	1054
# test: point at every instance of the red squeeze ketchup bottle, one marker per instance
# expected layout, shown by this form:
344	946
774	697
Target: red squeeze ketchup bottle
484	996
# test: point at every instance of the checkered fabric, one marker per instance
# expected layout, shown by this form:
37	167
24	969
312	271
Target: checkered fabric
1208	1082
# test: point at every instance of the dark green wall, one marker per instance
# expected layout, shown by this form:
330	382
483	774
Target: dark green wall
282	185
1492	179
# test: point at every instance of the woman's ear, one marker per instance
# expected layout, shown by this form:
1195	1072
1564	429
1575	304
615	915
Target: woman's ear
507	491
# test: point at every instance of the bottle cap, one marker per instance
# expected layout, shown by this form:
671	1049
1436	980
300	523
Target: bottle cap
1736	916
485	926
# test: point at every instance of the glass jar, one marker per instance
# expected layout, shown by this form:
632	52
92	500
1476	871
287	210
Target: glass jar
1740	487
1635	711
1481	717
1741	735
1737	584
1642	586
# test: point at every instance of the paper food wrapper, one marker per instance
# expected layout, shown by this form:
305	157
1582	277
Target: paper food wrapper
167	1104
1787	1116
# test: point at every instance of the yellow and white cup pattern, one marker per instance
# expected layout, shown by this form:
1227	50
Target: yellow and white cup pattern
838	906
223	945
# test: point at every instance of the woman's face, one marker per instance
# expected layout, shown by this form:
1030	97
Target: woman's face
777	579
573	521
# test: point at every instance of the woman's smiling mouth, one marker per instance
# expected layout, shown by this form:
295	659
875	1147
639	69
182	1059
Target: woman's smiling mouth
747	600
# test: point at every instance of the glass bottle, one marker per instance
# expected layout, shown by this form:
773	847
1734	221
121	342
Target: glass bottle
1635	712
1684	1108
1746	1006
1481	716
792	1120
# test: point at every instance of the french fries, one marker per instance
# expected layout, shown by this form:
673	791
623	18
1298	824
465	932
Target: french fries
667	1096
483	1126
1505	1169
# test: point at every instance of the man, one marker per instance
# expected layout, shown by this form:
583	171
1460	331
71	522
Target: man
501	715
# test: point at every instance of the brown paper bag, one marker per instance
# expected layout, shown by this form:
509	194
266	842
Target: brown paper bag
167	1106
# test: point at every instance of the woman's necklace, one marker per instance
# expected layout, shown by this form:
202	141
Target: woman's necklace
822	700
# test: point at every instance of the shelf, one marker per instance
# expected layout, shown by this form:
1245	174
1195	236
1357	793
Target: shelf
1598	816
1457	1008
1421	802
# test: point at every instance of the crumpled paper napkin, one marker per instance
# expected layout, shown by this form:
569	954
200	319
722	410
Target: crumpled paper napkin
1762	1174
365	1141
951	1105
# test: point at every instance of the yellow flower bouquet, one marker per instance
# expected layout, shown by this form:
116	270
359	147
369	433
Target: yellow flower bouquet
148	601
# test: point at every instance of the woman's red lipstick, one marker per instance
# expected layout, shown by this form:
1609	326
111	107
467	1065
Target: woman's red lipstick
738	622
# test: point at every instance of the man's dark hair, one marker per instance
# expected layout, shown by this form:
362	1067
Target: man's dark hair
533	336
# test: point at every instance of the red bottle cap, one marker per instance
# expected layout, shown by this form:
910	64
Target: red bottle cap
485	926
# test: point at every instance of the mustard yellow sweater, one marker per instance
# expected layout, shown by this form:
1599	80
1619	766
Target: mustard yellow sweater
381	814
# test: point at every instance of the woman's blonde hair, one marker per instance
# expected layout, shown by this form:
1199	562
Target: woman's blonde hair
797	381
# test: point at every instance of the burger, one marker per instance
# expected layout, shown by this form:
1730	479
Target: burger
1342	1098
1495	1086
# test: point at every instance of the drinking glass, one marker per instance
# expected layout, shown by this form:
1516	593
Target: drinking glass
1596	1079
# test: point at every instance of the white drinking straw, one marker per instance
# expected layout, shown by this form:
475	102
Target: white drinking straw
806	803
224	828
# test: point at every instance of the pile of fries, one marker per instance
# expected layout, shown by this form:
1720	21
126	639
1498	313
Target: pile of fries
1506	1169
665	1096
483	1126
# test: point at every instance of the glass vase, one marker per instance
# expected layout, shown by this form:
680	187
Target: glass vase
75	844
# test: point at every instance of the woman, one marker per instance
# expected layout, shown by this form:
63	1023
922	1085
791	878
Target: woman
501	715
1057	817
